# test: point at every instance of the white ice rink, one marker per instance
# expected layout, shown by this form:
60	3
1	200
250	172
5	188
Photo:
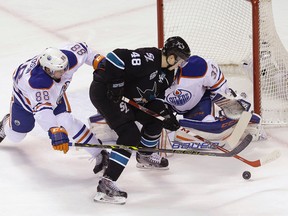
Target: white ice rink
37	181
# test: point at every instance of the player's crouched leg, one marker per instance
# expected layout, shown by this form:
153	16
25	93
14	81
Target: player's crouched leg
150	138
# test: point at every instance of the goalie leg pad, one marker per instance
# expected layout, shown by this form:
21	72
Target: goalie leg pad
220	129
183	137
101	129
256	129
218	126
215	131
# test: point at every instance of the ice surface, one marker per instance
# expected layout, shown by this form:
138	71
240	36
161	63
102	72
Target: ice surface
37	181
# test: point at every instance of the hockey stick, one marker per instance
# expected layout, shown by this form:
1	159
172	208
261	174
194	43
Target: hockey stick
257	163
232	141
262	161
245	142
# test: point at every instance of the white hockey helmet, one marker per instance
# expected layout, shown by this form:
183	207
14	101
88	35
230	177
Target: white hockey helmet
52	60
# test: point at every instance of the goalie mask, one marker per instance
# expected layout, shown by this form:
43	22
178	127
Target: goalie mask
54	62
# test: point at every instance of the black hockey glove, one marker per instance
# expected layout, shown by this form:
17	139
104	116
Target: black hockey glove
170	123
115	91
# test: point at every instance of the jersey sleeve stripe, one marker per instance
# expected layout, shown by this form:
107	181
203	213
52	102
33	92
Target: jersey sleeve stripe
220	82
83	136
115	60
84	46
218	87
42	106
89	138
80	132
68	107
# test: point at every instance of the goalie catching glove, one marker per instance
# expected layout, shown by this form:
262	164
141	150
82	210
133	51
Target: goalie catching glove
59	139
232	105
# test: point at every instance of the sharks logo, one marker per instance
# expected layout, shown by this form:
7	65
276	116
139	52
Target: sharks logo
148	92
179	97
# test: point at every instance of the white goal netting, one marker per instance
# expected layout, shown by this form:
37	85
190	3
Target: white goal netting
222	30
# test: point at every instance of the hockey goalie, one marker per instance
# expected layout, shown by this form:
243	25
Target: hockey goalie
206	105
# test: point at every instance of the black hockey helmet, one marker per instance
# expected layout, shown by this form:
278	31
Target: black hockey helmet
177	46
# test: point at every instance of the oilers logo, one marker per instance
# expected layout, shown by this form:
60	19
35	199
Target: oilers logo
179	97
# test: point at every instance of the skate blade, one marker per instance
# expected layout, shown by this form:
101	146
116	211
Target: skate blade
150	167
103	198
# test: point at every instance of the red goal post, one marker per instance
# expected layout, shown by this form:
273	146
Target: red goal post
241	37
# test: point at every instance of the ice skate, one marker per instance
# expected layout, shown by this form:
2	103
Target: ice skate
101	161
2	123
108	192
153	161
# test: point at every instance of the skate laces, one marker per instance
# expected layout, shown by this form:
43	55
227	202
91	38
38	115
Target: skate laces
155	158
110	184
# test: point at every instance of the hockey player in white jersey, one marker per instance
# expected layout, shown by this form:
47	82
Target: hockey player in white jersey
39	94
198	85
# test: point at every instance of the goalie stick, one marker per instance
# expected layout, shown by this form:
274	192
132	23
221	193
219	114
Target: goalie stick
262	161
257	163
232	140
242	145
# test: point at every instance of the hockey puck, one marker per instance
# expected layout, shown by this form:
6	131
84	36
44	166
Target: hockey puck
246	175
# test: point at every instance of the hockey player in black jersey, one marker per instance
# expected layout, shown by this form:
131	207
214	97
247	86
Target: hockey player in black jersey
142	75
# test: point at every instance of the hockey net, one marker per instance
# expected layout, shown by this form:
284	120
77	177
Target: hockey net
241	37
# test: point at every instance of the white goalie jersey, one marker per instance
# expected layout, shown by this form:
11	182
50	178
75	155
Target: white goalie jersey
192	80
